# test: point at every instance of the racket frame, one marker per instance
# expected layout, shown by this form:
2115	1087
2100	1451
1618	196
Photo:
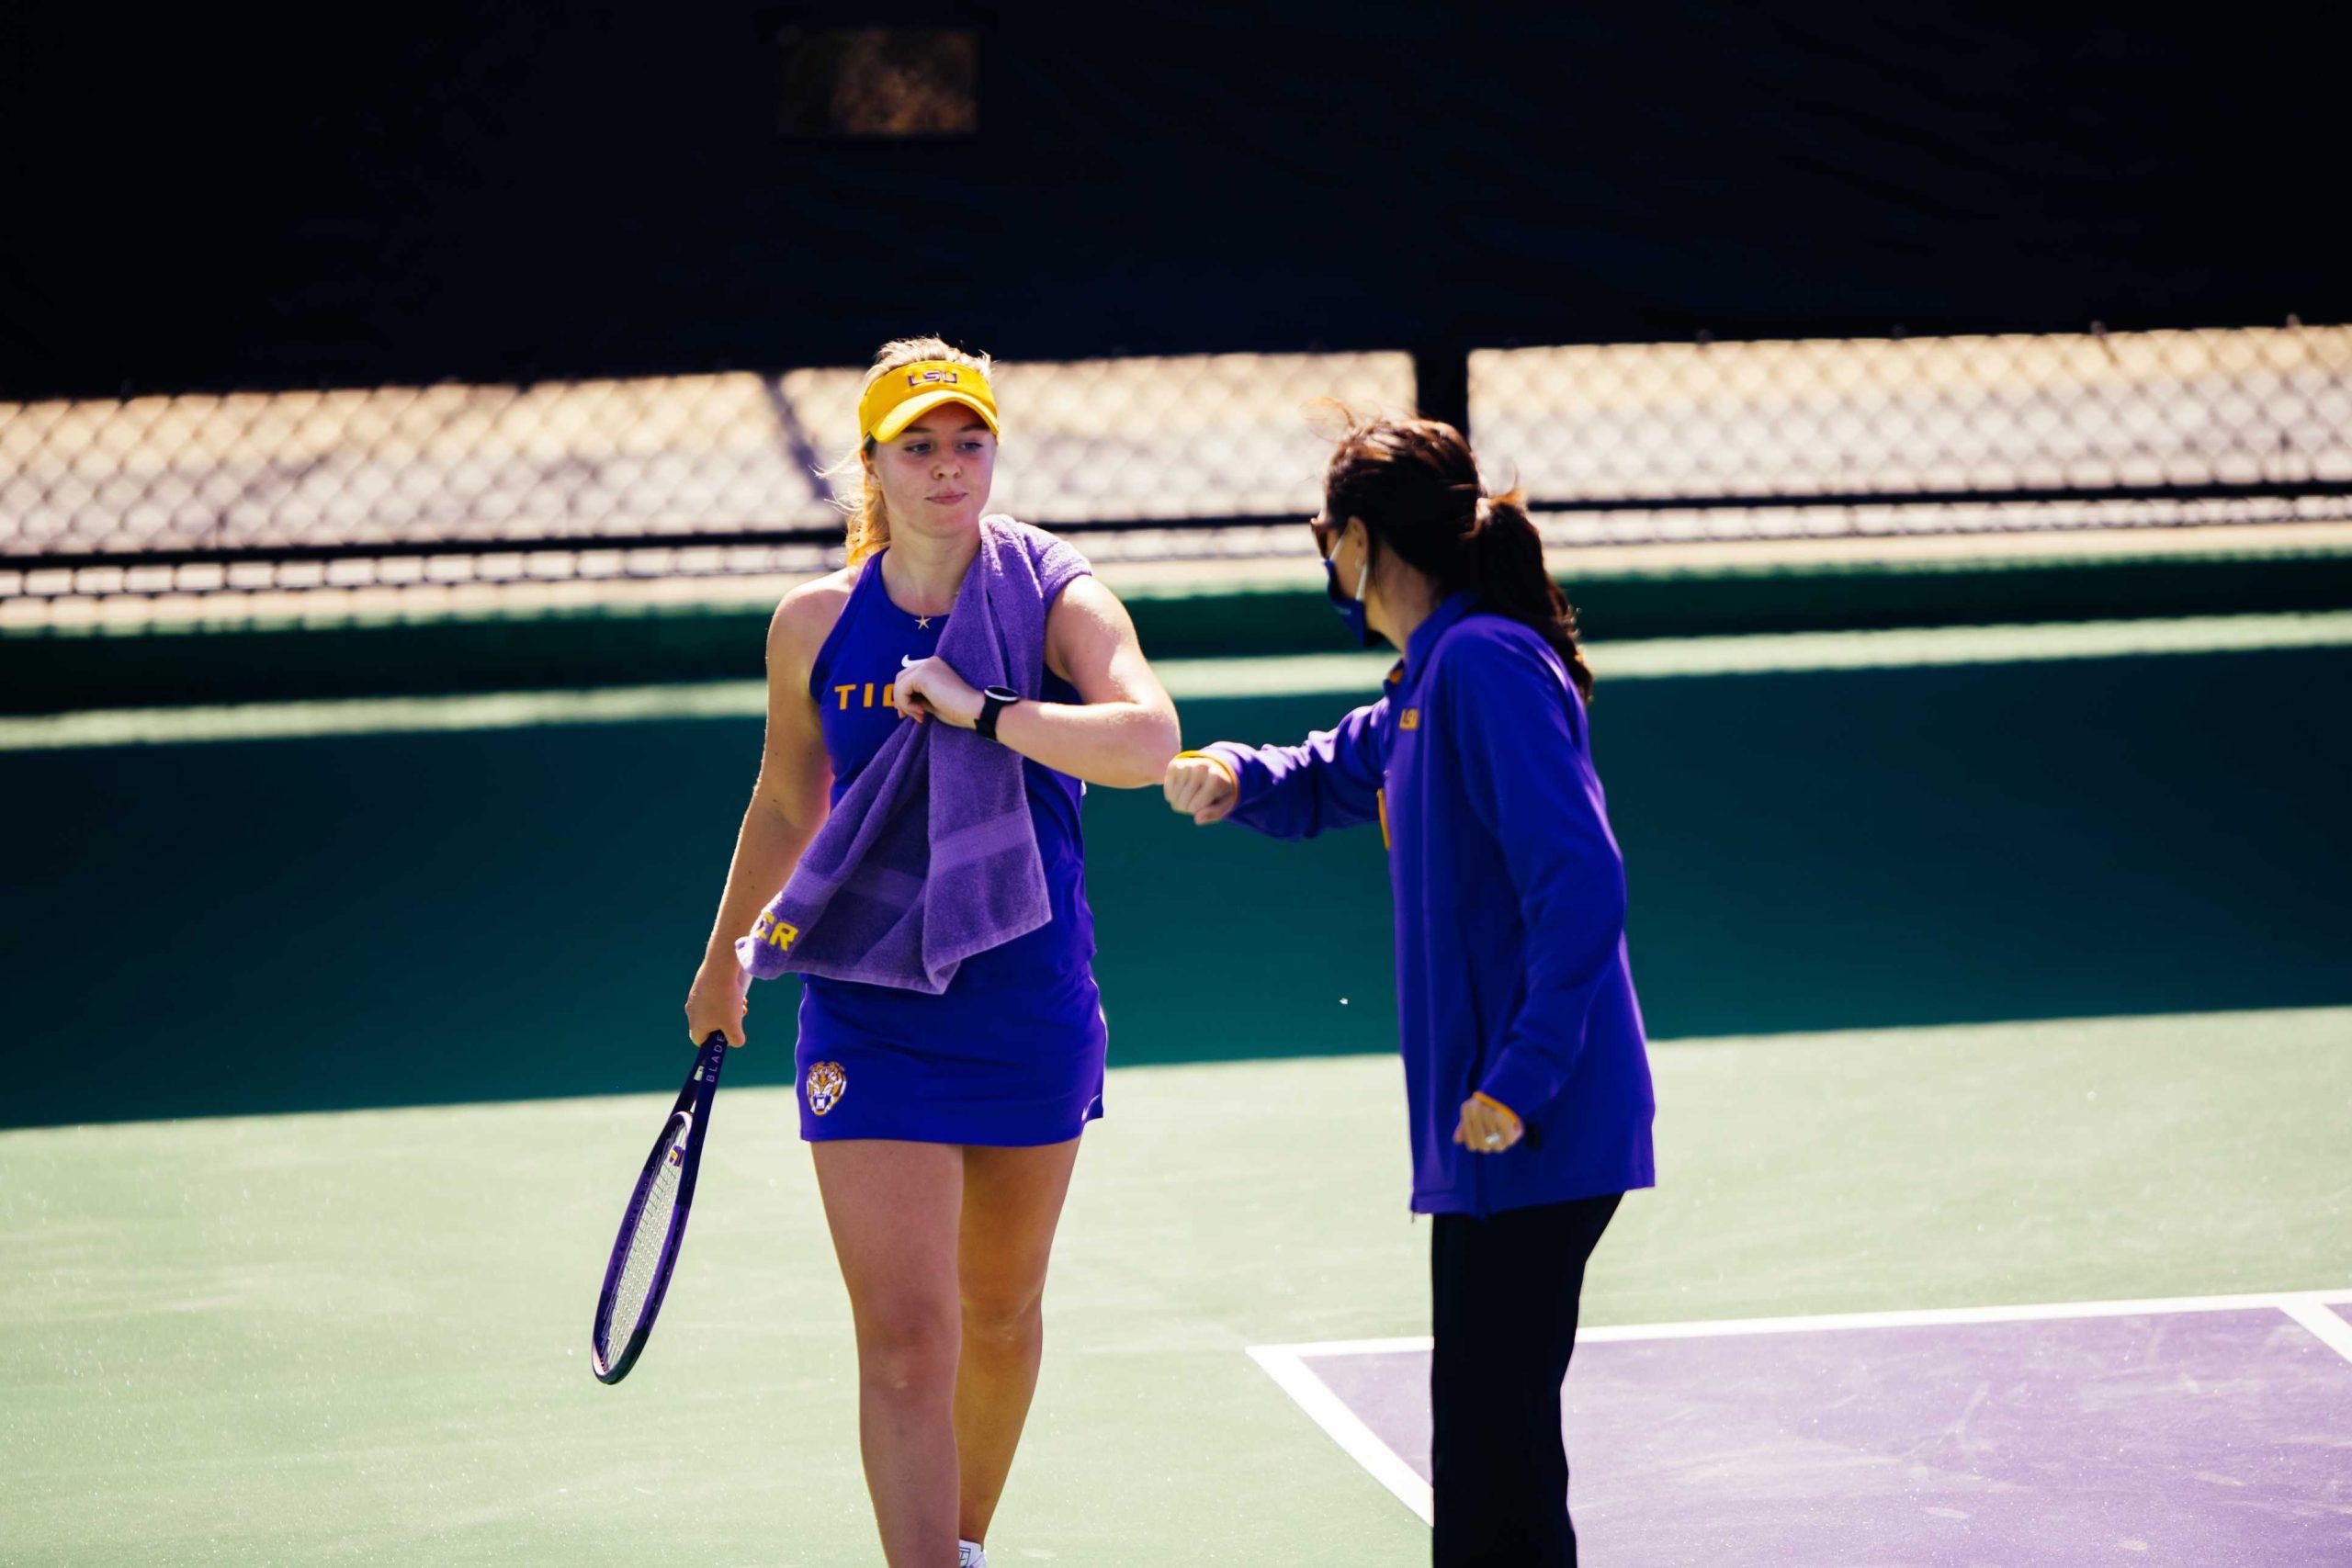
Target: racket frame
692	1104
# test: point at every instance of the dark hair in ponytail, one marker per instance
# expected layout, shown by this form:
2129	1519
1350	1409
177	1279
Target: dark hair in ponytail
1416	485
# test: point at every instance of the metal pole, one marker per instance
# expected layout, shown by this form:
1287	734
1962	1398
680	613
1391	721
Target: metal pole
1442	383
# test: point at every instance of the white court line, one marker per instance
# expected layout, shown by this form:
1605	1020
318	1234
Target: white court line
1313	674
1773	653
311	719
1346	1428
2331	1330
1286	1364
1929	1316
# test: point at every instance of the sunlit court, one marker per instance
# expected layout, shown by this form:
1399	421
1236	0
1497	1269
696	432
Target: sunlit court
381	687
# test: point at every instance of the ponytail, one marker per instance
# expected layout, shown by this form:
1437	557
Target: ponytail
869	520
1505	560
1415	484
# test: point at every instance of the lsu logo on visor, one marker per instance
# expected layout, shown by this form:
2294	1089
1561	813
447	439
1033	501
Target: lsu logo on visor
826	1084
930	377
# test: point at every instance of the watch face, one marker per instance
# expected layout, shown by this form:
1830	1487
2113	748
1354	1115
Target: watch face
1002	694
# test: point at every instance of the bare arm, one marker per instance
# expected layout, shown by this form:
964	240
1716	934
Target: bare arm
1120	734
787	807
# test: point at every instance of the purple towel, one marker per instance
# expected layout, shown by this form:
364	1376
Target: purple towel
929	857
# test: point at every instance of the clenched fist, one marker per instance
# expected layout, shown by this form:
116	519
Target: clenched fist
1487	1125
930	688
1201	787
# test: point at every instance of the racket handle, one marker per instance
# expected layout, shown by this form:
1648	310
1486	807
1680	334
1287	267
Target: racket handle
707	1061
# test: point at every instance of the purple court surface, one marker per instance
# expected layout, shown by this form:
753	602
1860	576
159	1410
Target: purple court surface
2206	1433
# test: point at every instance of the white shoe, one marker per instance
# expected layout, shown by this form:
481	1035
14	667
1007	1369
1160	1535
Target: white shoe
968	1554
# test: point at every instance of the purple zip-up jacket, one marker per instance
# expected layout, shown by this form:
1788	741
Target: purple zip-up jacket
1512	975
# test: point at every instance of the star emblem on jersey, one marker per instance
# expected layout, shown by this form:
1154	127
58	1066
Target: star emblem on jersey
922	622
826	1084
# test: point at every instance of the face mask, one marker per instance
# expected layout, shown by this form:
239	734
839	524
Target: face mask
1351	611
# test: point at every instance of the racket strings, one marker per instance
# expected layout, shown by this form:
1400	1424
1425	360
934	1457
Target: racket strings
645	1246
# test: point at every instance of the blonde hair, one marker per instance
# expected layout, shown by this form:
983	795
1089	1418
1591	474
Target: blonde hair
861	499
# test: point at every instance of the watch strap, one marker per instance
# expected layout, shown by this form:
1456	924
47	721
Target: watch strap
993	701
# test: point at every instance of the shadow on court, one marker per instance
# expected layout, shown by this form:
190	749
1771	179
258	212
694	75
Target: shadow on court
421	918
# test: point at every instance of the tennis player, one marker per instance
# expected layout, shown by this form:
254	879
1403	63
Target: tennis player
1527	1083
945	1127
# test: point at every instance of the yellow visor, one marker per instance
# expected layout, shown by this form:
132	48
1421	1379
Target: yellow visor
906	393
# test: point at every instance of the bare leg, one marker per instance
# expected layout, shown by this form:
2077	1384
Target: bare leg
893	1211
1012	1200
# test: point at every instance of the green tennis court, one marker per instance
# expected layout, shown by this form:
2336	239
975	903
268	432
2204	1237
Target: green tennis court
361	1336
2009	969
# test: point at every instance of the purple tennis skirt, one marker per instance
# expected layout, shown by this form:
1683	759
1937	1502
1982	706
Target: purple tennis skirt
979	1064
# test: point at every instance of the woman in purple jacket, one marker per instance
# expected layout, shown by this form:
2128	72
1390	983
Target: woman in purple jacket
1526	1080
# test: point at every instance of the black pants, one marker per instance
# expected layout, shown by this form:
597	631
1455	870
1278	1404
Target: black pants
1505	1291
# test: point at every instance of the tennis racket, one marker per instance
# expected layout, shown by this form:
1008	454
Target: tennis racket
653	1228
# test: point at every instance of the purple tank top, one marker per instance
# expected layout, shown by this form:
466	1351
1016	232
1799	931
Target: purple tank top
1034	992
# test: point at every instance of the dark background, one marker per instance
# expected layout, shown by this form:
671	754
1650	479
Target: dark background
282	198
478	192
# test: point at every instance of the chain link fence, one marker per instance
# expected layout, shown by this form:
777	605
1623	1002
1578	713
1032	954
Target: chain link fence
1207	457
1808	438
684	475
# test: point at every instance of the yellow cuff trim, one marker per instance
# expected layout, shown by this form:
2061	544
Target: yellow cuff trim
1231	777
1483	1096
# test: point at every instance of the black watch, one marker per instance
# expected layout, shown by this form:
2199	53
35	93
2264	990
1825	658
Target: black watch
994	701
